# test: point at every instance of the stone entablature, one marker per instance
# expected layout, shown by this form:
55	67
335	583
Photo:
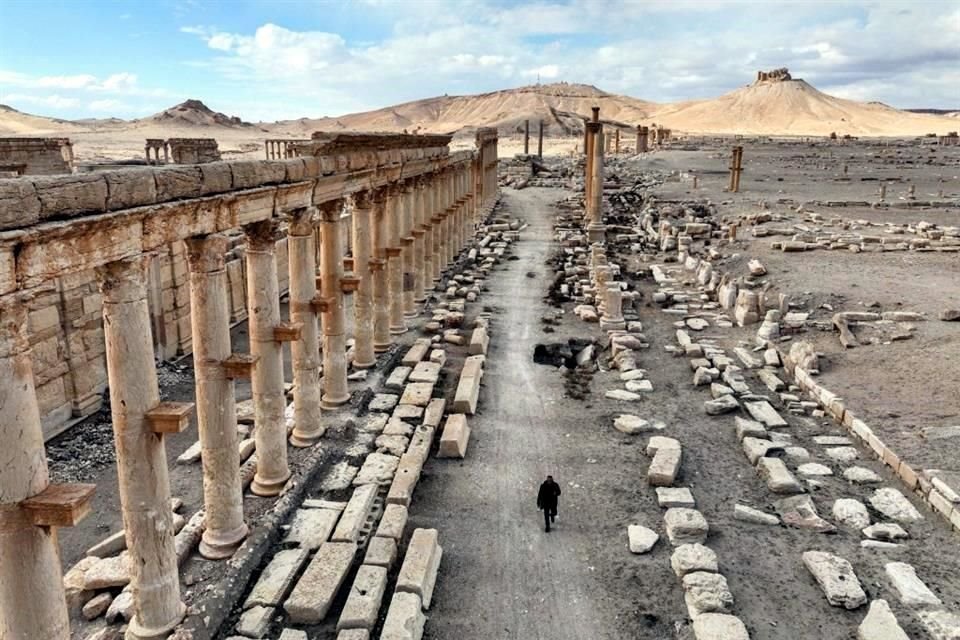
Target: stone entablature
36	156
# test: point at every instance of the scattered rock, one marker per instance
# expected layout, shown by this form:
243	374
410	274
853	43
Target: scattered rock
894	505
880	624
836	578
749	514
851	513
641	539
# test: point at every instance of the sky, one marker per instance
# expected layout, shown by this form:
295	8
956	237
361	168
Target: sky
281	59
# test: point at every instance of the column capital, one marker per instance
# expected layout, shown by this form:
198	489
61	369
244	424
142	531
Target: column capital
262	235
362	199
302	221
206	254
123	280
330	210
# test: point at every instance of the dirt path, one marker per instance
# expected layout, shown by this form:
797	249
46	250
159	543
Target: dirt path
502	576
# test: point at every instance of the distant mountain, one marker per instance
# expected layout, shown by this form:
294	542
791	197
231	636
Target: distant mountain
193	113
562	107
15	123
793	107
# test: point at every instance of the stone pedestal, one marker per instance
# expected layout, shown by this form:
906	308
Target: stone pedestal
216	404
269	399
32	602
305	351
335	392
141	457
612	319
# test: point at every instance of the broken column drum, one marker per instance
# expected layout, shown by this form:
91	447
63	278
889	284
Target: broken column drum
269	399
224	528
144	482
305	350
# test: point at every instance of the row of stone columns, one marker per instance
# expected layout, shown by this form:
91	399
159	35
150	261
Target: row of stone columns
402	239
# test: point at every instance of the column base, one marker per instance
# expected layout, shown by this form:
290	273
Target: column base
382	348
365	365
266	488
612	325
136	631
221	545
304	440
396	331
420	300
412	313
332	403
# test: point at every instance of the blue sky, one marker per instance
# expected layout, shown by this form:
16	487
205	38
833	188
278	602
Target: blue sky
266	60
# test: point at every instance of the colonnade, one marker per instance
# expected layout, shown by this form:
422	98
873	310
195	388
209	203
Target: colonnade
593	143
403	235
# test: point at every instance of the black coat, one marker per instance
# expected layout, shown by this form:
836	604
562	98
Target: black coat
548	494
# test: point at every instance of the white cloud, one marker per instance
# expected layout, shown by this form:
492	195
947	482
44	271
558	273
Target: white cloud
54	101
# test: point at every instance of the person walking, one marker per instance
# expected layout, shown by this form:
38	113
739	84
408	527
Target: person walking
547	501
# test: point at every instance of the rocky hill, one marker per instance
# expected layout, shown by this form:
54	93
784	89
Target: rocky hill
193	113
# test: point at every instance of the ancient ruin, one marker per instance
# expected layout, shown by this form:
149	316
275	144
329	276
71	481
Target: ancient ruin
181	151
35	156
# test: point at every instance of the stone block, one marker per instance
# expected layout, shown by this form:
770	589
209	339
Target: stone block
468	389
778	477
378	468
19	204
706	592
693	557
355	514
433	414
719	626
910	588
314	593
381	552
416	353
405	619
641	539
426	372
69	195
277	578
397	378
762	412
405	479
363	601
418	573
255	622
685	526
880	624
417	394
664	467
311	527
836	578
668	497
479	341
455	436
393	522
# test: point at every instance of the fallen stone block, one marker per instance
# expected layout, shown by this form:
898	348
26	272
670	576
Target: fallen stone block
909	587
405	619
468	388
836	578
641	539
706	592
656	443
455	436
757	448
417	352
277	578
418	573
355	514
749	428
778	476
107	572
397	378
479	341
880	624
363	601
664	467
719	626
693	557
852	513
417	393
381	552
723	404
315	591
378	468
405	479
940	624
392	522
755	516
685	526
762	412
675	497
894	505
801	512
311	527
253	623
425	372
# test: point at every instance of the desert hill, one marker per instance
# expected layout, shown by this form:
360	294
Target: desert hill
560	105
793	107
17	123
193	113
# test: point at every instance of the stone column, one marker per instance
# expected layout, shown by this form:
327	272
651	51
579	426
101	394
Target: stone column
595	228
216	403
32	602
447	192
429	208
335	392
540	142
419	246
305	351
364	355
407	240
269	400
437	219
378	263
141	455
395	207
526	137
